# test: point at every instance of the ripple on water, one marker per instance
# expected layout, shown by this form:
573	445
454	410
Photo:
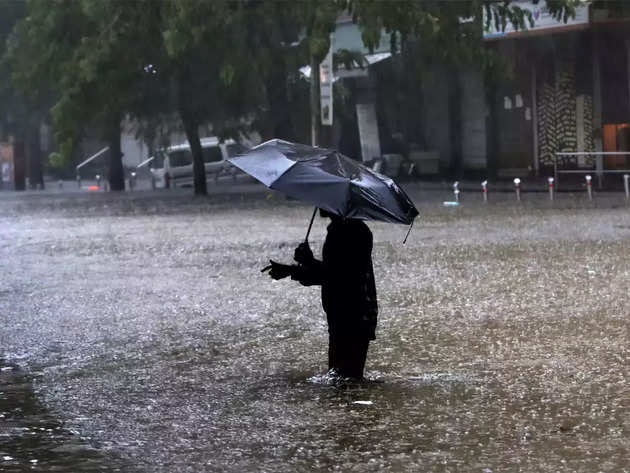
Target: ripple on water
156	337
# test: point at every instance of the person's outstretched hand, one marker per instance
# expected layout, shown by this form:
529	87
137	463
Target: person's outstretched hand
278	270
303	254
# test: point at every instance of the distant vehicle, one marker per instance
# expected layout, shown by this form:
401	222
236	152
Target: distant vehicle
176	162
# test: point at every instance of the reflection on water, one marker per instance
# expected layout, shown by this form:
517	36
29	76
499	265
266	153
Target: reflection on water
31	439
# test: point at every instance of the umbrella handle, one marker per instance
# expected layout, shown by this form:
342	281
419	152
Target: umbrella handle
308	232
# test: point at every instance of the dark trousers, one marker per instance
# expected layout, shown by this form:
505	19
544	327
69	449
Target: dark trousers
347	354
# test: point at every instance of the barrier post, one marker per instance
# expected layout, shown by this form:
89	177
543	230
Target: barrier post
550	181
589	186
517	188
484	190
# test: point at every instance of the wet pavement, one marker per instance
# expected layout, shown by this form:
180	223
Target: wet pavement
138	332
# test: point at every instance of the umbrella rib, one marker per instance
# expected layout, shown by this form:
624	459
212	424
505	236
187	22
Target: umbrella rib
328	179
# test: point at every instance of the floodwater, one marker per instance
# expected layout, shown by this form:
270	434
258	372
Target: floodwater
138	334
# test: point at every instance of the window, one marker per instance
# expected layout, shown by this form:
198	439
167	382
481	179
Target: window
180	157
235	148
212	154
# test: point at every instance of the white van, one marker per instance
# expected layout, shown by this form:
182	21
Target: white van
176	162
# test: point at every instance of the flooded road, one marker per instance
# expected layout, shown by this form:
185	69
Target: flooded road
139	329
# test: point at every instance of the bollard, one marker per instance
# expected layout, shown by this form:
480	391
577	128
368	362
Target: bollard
132	181
550	181
589	186
153	185
625	185
456	190
484	190
79	181
517	188
98	180
60	184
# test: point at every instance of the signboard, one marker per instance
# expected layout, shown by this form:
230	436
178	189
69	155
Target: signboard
368	131
542	20
326	87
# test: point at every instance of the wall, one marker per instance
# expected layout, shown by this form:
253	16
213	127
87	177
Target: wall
473	120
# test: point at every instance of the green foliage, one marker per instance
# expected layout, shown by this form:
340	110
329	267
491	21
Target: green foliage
74	49
232	63
438	25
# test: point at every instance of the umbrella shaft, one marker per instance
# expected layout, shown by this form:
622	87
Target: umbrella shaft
310	225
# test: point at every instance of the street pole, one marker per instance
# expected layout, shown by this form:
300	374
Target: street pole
314	101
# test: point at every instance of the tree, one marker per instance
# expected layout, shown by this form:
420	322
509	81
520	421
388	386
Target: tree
213	84
47	51
105	58
20	117
273	32
436	24
85	51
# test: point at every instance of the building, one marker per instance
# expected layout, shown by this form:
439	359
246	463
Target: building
568	91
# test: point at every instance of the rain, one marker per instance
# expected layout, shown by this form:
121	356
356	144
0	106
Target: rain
460	170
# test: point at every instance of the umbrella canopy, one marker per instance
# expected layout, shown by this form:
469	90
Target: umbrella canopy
328	180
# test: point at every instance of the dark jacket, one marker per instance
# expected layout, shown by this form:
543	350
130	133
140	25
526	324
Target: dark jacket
347	279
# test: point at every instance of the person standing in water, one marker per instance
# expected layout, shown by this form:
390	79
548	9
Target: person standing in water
346	276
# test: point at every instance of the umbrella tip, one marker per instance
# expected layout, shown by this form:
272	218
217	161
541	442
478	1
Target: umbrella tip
408	232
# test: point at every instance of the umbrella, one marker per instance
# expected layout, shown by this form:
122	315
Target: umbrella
328	180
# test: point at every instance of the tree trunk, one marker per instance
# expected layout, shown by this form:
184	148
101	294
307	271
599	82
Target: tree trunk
190	120
191	127
35	174
19	165
314	96
116	172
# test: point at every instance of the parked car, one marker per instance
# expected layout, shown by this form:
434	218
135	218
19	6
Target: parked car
176	162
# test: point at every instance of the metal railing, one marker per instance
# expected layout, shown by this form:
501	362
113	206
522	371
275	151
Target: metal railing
87	161
145	162
598	167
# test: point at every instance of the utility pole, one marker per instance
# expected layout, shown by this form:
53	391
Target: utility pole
314	96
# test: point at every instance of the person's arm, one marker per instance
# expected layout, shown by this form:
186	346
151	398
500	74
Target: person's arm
310	275
310	271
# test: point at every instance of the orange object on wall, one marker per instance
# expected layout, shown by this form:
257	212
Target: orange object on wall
616	137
